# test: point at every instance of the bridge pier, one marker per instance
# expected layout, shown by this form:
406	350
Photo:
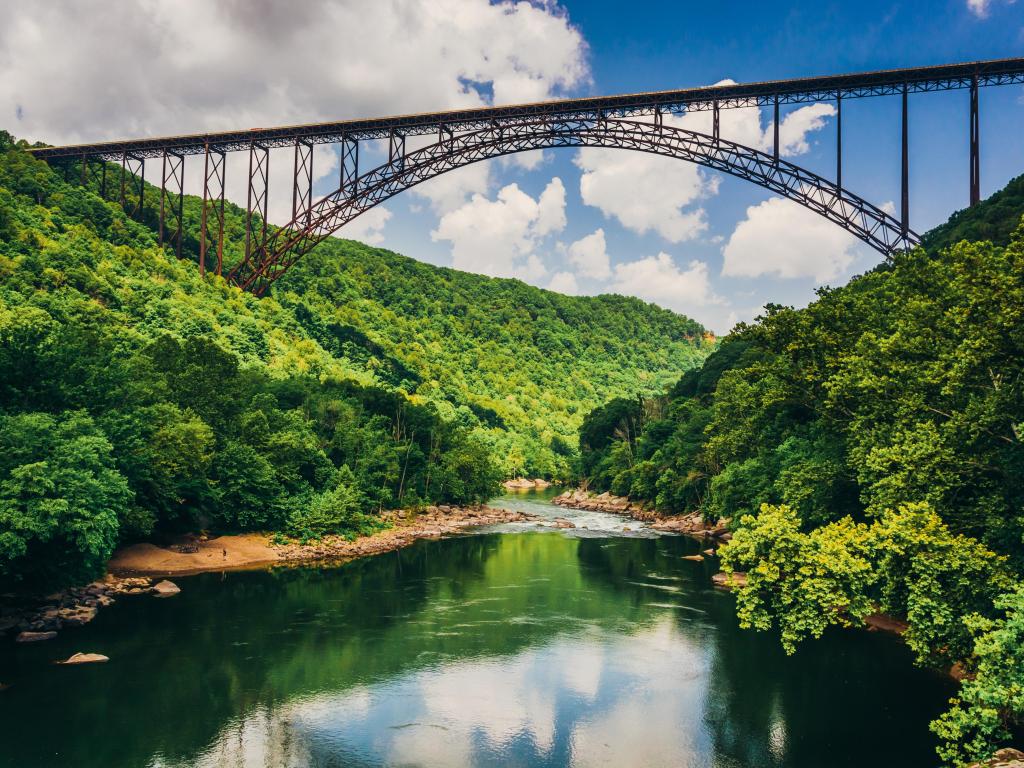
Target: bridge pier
172	197
134	167
349	165
256	198
839	139
213	206
905	186
396	149
302	186
975	193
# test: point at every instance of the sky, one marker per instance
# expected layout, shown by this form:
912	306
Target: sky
578	221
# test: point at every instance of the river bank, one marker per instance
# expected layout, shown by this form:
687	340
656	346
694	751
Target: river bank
692	524
138	569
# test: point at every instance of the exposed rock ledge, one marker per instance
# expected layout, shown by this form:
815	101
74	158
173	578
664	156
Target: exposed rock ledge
525	484
692	524
1004	758
132	569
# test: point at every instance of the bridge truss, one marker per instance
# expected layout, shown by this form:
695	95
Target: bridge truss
462	137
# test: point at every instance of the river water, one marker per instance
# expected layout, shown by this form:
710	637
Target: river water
521	645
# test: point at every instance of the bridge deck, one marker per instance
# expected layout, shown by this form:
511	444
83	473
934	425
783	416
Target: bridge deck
801	90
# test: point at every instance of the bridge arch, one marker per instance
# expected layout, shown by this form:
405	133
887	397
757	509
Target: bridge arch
285	246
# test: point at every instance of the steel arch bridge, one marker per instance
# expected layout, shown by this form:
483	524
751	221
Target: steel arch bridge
470	136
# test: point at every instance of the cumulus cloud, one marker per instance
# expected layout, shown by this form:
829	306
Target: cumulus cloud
589	255
645	192
658	279
498	237
779	237
188	66
368	227
981	8
650	193
564	282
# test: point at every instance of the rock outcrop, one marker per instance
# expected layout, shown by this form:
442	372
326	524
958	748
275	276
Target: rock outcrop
165	588
85	658
729	580
1004	758
34	637
525	484
692	524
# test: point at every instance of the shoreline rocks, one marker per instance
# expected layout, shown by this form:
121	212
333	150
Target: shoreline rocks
73	607
692	524
432	523
525	484
85	658
729	580
166	588
34	637
1004	758
79	605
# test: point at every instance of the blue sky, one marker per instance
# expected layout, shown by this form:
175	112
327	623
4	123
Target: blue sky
714	248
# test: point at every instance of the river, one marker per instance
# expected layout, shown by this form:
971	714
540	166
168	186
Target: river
521	645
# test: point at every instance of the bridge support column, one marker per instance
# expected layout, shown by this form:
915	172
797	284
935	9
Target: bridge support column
905	185
172	196
839	140
95	170
396	150
302	186
213	207
135	168
975	142
775	152
256	199
715	123
349	165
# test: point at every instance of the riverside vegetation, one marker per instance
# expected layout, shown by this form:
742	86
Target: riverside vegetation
137	398
868	452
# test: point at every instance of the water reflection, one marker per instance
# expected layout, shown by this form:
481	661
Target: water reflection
535	649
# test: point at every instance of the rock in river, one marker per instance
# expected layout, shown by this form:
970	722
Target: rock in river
34	637
1004	758
85	658
165	588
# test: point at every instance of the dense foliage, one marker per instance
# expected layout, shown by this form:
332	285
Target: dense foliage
517	365
137	397
868	452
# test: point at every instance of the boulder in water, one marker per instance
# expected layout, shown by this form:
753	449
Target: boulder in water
34	637
85	658
1004	758
165	588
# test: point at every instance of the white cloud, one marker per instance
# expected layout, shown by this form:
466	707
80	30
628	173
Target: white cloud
981	8
650	193
551	208
498	237
368	227
645	192
188	66
658	279
564	282
589	255
783	238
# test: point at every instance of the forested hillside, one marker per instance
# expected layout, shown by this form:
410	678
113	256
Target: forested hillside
868	452
521	363
135	395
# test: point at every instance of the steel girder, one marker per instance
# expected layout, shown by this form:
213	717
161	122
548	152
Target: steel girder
172	196
214	164
764	94
284	246
133	184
